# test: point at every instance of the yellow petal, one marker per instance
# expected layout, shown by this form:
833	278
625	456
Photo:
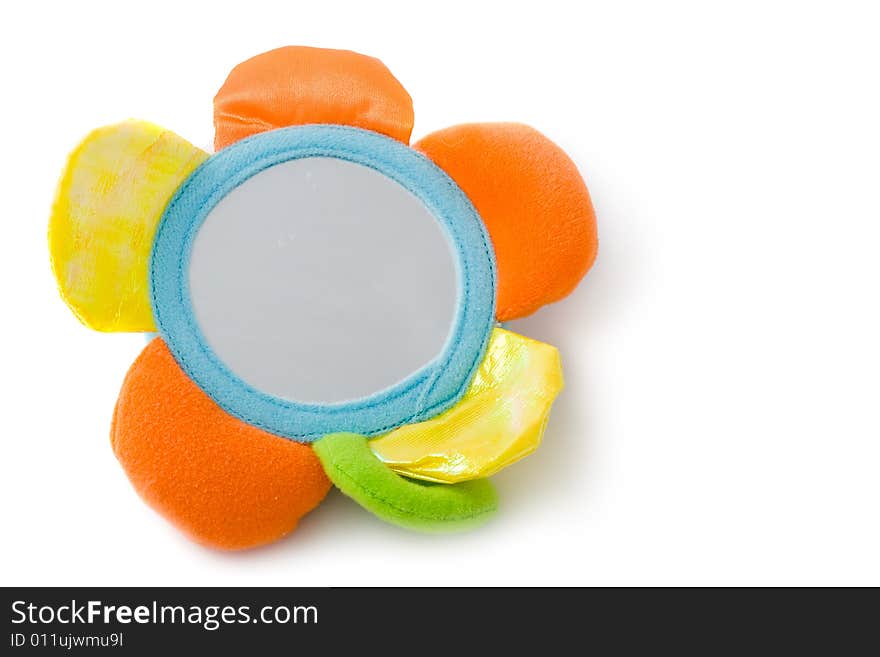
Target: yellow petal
500	419
111	197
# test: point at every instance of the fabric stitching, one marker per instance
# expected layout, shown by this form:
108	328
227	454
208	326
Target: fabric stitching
432	371
405	512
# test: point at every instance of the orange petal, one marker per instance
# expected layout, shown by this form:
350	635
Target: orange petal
296	85
222	481
534	203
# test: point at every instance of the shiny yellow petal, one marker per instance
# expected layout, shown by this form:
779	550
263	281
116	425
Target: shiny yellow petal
111	196
500	419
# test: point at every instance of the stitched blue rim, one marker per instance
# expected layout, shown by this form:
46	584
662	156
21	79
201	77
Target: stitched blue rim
431	390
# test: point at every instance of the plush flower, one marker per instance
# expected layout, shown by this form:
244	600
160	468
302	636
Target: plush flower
312	328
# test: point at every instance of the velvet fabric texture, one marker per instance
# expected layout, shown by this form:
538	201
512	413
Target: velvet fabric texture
225	483
534	203
412	504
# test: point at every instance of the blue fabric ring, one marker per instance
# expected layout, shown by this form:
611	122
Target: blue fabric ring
431	390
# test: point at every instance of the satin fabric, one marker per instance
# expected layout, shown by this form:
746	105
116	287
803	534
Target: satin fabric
500	419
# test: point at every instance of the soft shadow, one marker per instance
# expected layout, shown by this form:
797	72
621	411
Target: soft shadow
574	325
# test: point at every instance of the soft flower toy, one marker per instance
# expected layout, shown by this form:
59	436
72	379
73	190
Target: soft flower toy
327	298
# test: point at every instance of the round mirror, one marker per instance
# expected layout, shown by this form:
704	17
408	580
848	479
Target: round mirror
320	280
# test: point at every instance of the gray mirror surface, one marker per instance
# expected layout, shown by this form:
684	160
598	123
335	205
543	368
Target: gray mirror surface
320	280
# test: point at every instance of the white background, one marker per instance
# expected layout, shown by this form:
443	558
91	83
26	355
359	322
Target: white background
720	424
